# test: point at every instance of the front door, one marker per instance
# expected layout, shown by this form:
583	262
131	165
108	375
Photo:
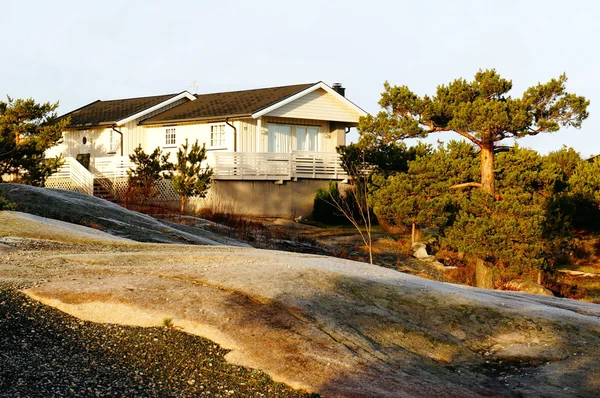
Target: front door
83	149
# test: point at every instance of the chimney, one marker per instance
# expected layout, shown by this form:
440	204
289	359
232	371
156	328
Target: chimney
337	87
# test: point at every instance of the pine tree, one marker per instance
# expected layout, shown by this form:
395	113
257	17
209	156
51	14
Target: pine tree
421	196
480	111
148	171
189	177
27	130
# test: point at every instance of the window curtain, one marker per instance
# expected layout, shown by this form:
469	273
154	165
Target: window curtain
280	138
301	138
313	136
307	138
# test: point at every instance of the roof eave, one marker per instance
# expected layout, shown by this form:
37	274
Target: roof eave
302	93
205	119
86	125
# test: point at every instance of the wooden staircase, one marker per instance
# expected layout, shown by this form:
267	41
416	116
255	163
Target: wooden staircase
103	189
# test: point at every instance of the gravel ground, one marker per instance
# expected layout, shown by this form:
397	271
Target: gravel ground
46	353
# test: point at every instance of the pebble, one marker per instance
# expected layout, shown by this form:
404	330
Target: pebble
46	353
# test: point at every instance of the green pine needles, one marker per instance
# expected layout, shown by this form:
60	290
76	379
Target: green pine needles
189	176
27	130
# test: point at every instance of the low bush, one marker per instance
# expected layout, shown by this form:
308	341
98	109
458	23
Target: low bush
324	209
5	204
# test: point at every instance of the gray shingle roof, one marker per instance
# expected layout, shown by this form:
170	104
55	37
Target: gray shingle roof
100	113
227	104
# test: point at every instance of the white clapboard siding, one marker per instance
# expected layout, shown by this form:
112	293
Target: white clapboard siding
319	105
247	135
136	134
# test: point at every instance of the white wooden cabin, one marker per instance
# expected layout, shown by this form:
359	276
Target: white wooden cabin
270	148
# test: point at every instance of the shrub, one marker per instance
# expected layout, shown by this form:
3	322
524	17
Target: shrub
147	173
5	204
324	209
189	177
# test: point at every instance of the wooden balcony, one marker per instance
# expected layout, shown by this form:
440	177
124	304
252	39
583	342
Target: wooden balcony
276	166
249	166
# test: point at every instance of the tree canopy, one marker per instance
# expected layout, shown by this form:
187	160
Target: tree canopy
421	195
27	130
480	111
188	175
520	234
148	170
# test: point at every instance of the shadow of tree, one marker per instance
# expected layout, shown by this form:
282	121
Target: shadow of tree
415	340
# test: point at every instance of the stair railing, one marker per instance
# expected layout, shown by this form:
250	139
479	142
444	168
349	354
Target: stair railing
79	175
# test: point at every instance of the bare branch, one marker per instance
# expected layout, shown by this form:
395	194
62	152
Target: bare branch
469	137
466	185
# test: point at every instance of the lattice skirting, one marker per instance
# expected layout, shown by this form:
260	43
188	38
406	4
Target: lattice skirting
64	183
118	189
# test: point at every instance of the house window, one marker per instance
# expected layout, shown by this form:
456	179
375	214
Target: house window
170	136
307	138
113	142
217	135
280	138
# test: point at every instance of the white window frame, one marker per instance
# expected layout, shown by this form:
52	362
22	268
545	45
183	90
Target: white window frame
276	140
307	138
294	137
170	137
217	136
113	142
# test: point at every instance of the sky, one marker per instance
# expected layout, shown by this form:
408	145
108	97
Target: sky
77	52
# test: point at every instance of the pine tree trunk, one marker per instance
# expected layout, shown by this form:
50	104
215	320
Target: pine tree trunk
413	233
483	275
487	167
182	206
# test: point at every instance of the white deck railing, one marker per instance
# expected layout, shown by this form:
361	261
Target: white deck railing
249	165
226	166
275	166
111	167
322	165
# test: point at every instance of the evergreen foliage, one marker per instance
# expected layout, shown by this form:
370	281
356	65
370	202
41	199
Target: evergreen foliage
5	204
148	171
585	180
566	158
189	177
324	209
522	230
422	197
27	130
379	158
480	111
584	195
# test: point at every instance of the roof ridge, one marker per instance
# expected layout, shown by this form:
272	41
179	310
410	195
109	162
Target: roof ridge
78	109
257	89
144	97
286	97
